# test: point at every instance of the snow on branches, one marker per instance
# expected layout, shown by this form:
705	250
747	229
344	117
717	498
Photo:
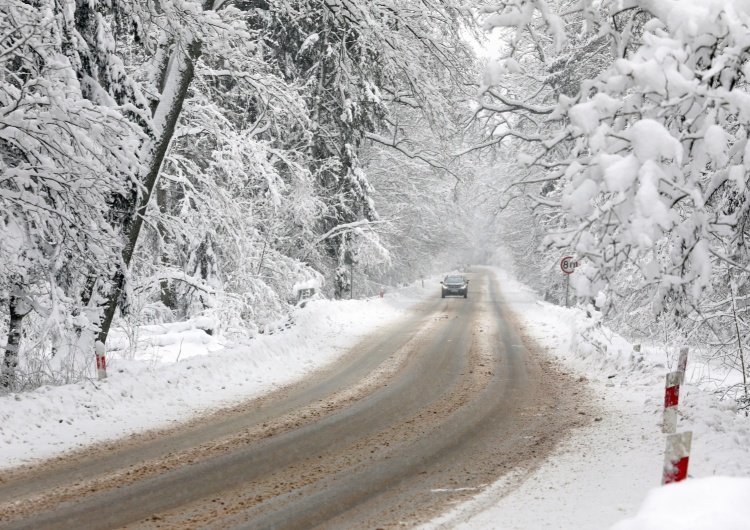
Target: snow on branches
166	159
62	160
648	160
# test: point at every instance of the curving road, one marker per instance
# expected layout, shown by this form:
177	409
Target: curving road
416	418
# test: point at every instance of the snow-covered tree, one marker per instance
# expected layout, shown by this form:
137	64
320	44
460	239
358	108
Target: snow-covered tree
202	157
646	163
422	189
354	59
239	206
63	158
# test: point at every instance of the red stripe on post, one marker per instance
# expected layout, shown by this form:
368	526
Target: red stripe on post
676	457
672	396
101	361
676	471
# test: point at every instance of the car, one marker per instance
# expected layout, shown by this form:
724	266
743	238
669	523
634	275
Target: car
455	285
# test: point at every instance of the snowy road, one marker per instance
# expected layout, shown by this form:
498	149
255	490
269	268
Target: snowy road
415	419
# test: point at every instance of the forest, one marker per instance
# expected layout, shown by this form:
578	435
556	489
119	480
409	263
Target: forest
168	160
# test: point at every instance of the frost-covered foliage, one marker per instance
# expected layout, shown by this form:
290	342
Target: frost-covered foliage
422	191
63	158
358	61
234	199
174	160
645	164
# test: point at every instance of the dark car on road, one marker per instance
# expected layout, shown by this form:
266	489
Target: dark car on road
455	285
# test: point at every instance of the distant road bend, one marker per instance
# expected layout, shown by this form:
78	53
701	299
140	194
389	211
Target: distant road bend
415	419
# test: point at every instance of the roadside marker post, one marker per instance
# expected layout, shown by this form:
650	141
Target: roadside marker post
101	361
672	393
677	457
682	363
677	454
671	400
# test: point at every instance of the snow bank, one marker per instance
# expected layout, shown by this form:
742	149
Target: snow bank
713	503
164	343
309	284
180	371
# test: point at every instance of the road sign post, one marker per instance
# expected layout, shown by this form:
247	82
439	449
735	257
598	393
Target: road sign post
677	454
568	265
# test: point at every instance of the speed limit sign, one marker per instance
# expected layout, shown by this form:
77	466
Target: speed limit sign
568	264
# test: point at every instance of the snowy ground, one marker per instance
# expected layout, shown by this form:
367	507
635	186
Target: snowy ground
596	478
605	471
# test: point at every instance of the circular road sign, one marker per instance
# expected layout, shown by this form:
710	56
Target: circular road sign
568	264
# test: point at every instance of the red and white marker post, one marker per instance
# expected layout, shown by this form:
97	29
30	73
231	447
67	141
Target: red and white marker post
671	400
682	363
672	393
101	361
677	453
677	457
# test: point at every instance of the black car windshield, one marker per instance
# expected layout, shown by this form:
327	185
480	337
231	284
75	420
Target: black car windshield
454	279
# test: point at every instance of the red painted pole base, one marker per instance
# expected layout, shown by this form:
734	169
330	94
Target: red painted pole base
676	457
676	471
101	361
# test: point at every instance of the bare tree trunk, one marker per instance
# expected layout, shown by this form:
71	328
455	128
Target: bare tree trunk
18	310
